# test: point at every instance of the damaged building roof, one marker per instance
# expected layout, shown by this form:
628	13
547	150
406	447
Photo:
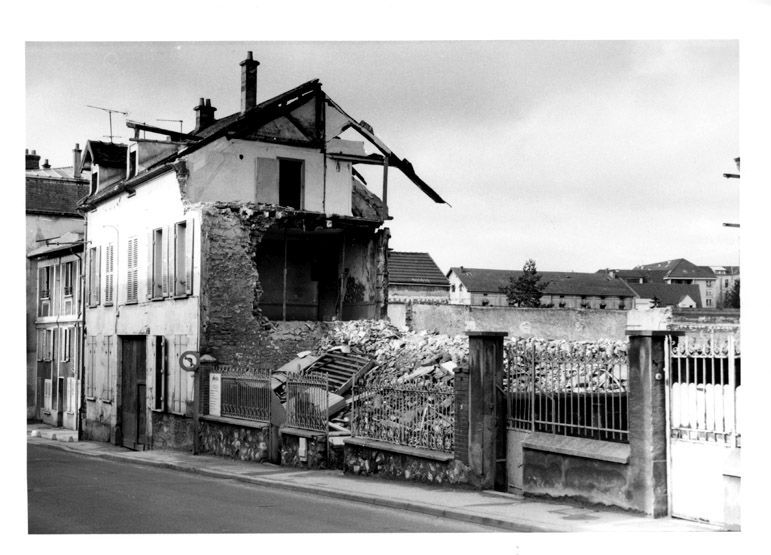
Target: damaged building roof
244	124
415	268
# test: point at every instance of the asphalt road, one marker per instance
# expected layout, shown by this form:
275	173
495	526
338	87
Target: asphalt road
73	494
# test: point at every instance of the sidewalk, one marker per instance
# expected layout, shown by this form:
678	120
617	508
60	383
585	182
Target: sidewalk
496	509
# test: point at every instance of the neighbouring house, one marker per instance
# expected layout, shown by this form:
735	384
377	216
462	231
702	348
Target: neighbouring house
651	295
234	240
726	277
676	272
415	276
51	199
58	329
485	287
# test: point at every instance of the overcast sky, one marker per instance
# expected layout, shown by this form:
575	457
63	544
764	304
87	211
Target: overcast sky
579	154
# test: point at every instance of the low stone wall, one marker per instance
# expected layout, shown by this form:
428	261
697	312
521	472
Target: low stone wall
240	442
97	424
171	431
547	323
368	461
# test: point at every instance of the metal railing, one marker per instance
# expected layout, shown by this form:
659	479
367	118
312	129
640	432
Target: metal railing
307	402
705	390
568	389
246	393
410	415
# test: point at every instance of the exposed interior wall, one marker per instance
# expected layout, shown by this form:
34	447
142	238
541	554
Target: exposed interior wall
547	323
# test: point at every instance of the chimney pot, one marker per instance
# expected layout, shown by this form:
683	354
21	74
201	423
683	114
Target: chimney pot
46	165
76	161
248	83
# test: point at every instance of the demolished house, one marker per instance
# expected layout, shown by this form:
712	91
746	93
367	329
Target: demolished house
236	240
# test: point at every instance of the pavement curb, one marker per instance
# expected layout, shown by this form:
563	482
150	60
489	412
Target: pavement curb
430	510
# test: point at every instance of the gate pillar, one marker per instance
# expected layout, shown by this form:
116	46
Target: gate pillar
486	414
648	421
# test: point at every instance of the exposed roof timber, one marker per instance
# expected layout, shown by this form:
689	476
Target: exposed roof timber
373	159
393	160
137	127
358	175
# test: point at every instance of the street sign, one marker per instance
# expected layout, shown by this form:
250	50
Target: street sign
189	361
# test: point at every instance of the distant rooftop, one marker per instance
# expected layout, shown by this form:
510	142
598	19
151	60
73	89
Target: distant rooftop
414	268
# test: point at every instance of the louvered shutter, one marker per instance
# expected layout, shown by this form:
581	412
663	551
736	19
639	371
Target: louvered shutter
98	276
149	274
132	274
109	269
165	262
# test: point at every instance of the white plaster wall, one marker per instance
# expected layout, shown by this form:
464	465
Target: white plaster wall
226	171
460	295
156	203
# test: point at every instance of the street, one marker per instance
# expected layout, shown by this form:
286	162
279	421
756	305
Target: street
73	494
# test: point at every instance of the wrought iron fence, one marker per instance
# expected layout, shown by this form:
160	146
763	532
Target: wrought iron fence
410	415
246	393
307	402
568	389
705	389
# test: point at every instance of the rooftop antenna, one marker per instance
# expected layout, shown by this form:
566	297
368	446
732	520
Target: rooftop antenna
179	121
110	112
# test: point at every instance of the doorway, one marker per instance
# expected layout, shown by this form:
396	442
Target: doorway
133	407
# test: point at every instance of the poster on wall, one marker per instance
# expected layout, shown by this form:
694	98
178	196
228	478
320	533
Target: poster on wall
215	382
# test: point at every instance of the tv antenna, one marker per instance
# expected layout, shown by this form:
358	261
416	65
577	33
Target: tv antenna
179	121
110	112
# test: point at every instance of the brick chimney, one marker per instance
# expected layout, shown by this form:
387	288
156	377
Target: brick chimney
76	152
248	82
33	160
204	116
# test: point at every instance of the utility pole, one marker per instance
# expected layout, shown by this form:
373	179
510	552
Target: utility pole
110	112
733	176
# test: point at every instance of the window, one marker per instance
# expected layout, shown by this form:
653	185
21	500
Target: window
131	272
41	345
452	288
93	276
159	402
45	282
109	272
709	302
48	345
94	180
725	284
66	344
709	282
69	277
290	183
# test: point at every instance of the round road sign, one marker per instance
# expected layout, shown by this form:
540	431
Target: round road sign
189	361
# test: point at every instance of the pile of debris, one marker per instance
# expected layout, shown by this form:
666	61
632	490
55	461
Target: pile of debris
401	356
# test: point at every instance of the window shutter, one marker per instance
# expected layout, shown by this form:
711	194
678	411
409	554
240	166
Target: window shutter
108	273
98	276
164	371
165	262
189	250
173	254
150	254
150	350
266	177
132	270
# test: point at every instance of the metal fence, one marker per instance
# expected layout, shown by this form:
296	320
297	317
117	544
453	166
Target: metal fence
246	393
705	390
568	389
410	415
307	402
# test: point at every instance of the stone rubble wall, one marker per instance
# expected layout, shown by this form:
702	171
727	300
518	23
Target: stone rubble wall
367	461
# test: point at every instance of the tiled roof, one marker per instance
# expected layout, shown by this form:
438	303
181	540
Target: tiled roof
56	173
70	240
415	268
55	196
679	268
667	294
482	280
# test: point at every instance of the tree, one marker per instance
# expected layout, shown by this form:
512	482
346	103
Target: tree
527	289
732	297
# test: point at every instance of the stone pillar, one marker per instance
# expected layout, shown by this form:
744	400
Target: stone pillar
201	397
486	436
647	421
461	414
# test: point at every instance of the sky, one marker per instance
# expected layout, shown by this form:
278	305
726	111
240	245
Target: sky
579	154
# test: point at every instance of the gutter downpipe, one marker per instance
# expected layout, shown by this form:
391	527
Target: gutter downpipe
82	412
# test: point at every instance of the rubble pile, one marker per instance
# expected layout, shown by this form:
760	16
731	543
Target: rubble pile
402	356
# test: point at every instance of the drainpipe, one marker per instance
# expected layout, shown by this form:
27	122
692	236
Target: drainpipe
82	412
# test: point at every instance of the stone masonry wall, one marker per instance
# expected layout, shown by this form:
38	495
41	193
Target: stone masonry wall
171	431
317	454
385	464
237	442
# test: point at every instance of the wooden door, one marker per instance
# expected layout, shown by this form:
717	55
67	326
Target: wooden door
133	396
